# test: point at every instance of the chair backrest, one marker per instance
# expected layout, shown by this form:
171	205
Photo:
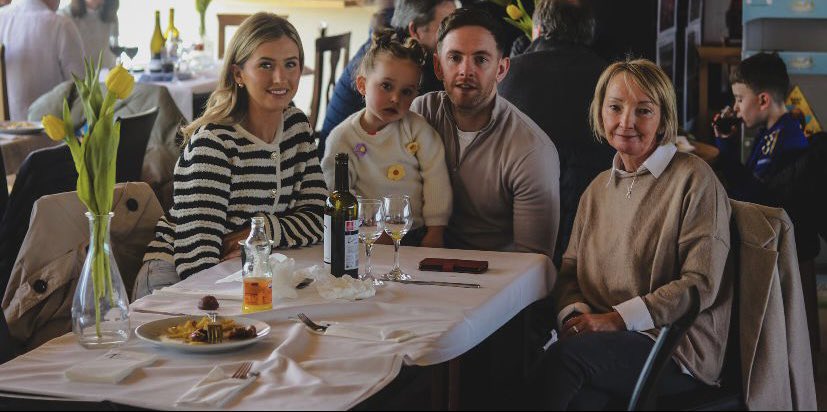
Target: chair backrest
225	20
670	336
334	46
4	187
4	92
135	132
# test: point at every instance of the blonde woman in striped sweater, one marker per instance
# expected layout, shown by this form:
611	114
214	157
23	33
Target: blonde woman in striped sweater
250	154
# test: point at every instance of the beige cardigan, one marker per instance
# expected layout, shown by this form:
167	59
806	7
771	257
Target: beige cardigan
776	363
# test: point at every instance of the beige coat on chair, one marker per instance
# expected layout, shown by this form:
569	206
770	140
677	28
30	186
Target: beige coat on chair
776	363
38	300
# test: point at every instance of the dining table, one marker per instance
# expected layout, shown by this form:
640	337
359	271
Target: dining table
296	368
16	147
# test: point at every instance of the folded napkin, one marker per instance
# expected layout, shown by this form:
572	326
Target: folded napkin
216	388
367	332
345	287
112	367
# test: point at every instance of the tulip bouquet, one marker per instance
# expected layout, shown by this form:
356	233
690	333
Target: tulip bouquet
94	156
517	16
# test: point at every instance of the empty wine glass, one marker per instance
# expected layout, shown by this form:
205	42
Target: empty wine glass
371	218
398	222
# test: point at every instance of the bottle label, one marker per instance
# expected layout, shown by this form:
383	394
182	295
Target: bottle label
328	223
351	244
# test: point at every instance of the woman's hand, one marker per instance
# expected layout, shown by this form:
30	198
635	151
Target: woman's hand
433	237
591	322
230	248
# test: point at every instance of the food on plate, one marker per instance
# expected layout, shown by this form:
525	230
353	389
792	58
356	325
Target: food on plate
195	332
15	125
208	302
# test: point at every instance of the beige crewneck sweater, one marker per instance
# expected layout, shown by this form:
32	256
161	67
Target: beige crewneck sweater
671	232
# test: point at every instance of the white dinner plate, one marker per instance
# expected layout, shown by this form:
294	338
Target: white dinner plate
20	127
153	332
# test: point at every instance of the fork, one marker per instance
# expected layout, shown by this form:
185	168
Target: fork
310	324
243	370
215	334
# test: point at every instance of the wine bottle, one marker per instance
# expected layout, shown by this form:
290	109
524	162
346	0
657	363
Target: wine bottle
157	46
341	225
255	269
173	40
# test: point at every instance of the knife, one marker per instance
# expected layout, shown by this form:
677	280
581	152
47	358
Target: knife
435	283
158	312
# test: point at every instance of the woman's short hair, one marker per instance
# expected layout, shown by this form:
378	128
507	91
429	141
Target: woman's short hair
228	103
653	81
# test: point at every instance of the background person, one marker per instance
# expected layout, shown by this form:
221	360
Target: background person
553	83
43	49
96	20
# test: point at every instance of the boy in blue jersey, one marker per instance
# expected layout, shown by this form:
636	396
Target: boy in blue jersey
760	85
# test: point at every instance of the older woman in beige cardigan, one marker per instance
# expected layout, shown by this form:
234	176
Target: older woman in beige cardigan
646	230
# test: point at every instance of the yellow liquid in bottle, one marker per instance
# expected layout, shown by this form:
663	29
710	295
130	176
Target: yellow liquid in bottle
258	294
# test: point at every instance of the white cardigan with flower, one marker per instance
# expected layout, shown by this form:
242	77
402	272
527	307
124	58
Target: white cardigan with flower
406	157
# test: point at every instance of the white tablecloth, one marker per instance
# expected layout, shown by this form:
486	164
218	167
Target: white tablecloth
301	370
182	91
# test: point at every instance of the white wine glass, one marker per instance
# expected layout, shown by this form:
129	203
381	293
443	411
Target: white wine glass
398	222
371	220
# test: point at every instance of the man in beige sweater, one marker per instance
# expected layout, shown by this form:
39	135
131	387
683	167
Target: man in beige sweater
504	170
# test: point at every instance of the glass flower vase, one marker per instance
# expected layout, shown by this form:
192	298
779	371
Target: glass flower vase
100	308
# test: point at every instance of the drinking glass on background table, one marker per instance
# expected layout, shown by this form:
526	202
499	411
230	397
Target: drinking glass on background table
398	222
371	218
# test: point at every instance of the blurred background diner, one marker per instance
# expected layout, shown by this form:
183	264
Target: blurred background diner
747	105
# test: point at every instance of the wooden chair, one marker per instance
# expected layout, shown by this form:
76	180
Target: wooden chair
4	93
225	20
334	45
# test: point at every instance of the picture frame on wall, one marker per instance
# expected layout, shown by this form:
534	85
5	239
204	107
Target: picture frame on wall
667	15
666	57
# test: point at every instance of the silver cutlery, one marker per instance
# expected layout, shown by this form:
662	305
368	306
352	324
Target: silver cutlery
215	333
158	312
310	324
243	371
434	283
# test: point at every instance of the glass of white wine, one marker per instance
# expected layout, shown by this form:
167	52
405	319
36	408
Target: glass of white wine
371	219
398	222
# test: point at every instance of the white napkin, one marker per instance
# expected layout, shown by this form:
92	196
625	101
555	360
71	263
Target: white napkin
367	332
112	367
215	389
345	287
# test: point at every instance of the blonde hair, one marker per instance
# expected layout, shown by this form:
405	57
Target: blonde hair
388	42
653	81
228	103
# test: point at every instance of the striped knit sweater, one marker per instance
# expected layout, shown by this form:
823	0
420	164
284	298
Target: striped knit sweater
225	176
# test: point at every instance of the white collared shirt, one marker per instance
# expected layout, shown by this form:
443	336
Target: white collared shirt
43	49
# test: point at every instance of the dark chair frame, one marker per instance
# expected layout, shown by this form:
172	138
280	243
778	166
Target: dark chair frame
334	45
729	396
133	143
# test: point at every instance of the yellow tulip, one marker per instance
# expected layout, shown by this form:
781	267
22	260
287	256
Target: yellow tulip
55	128
514	12
120	82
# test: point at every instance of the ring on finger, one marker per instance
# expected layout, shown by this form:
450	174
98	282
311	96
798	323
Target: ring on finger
574	328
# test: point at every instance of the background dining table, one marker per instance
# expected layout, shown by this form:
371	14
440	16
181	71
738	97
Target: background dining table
300	369
15	147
